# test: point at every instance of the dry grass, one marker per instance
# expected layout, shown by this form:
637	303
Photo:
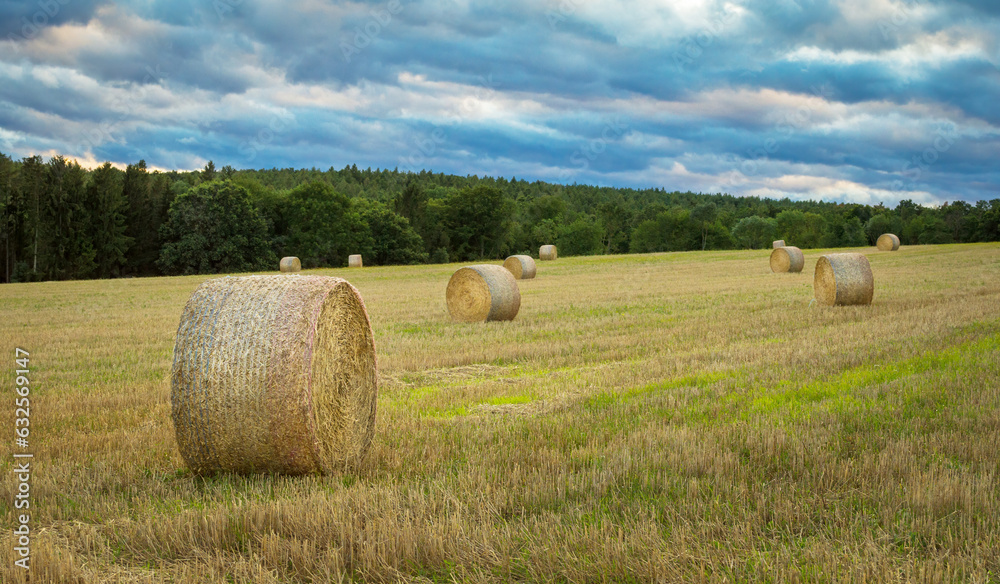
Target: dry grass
634	427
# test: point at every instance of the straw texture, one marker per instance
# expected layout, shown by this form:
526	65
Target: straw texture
887	242
777	244
787	259
290	264
843	279
522	266
274	374
548	252
483	292
354	261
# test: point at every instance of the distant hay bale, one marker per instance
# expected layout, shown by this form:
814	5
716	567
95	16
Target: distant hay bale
843	279
548	252
787	259
887	242
483	292
274	374
522	266
354	261
290	264
777	244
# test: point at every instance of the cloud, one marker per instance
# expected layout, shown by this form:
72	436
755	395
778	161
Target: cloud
834	99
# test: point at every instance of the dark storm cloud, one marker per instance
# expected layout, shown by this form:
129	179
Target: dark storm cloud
26	20
698	91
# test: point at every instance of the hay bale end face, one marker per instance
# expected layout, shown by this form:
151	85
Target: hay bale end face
483	292
522	266
274	374
887	242
290	264
787	259
548	252
777	244
843	279
354	261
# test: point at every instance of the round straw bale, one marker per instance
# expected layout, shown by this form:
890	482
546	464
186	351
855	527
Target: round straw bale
548	252
787	259
354	261
887	242
522	266
290	264
777	244
843	279
483	292
274	374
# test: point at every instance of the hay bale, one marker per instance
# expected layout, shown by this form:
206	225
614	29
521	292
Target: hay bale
354	261
547	252
777	244
274	374
787	259
290	264
522	266
843	279
483	292
887	242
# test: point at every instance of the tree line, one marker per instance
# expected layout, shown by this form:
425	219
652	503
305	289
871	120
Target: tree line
59	221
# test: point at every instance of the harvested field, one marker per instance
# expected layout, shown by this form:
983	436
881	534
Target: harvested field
683	417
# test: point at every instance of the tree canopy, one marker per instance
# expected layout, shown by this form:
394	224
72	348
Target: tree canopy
60	221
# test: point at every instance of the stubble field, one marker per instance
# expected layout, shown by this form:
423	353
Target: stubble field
670	417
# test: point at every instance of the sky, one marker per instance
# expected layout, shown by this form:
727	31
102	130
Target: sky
866	101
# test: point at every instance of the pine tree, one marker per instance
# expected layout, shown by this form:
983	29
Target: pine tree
142	220
107	228
65	250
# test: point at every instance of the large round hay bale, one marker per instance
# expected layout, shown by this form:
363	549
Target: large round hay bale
483	292
843	279
548	252
354	261
522	266
290	264
274	374
787	259
887	242
777	244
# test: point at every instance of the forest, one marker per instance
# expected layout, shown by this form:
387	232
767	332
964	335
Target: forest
61	221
